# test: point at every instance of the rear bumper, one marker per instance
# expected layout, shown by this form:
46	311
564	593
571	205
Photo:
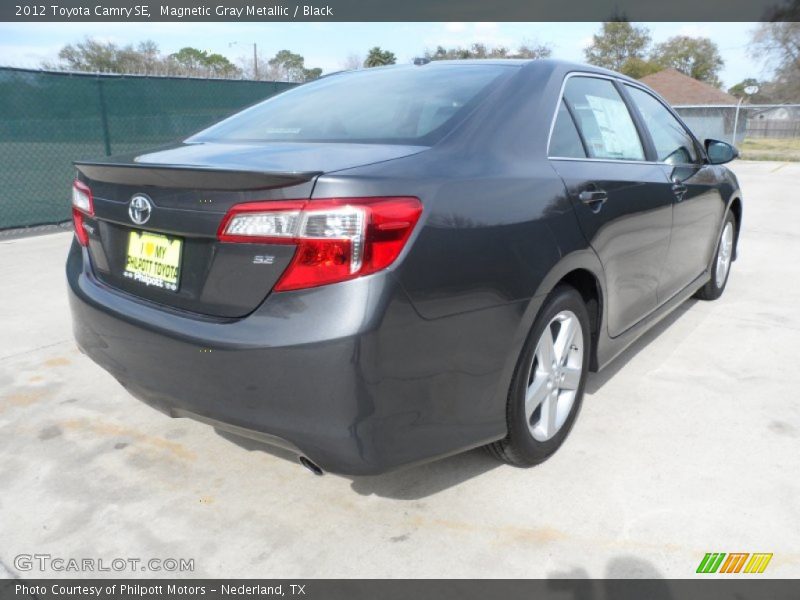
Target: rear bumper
346	375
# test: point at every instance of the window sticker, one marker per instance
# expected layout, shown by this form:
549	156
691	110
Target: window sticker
618	135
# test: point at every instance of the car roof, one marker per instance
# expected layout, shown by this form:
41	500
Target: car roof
511	62
569	66
550	64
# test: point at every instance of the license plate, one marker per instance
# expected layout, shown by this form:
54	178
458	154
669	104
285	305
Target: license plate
154	260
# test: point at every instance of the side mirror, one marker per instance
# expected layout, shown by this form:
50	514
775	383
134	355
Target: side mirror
720	153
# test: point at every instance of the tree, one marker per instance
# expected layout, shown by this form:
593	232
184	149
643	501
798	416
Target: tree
189	58
639	67
778	45
149	55
91	55
738	89
376	57
617	43
768	92
352	62
220	65
253	66
533	50
191	61
696	57
311	74
288	66
479	50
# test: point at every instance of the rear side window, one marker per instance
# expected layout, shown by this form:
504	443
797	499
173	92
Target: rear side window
404	105
673	144
565	141
603	118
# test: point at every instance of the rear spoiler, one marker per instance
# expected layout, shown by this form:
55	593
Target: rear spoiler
186	176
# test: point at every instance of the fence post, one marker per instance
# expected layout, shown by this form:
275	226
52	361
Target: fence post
103	116
736	121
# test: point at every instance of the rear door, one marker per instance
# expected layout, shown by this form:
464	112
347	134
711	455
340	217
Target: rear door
622	206
697	203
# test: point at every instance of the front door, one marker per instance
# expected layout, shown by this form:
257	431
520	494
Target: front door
623	208
697	204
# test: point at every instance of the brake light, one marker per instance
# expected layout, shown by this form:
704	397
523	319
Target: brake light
82	204
337	239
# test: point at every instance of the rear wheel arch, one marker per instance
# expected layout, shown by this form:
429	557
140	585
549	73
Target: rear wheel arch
736	209
583	272
537	391
587	284
580	270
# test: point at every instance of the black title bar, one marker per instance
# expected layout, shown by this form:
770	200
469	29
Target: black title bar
399	10
708	588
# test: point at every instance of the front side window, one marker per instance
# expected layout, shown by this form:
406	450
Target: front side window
603	118
401	105
673	144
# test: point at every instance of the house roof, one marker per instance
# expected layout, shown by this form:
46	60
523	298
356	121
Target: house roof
677	89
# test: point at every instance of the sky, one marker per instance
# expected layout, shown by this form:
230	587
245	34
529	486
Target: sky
327	45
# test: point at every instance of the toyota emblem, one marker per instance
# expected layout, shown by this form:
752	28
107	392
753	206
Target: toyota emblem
139	209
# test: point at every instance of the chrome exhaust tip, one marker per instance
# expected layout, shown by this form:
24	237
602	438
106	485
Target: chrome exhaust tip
311	466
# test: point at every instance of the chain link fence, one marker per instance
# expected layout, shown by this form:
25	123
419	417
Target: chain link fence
762	131
49	119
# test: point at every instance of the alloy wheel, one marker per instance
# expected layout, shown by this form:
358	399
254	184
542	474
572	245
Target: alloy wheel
724	255
554	376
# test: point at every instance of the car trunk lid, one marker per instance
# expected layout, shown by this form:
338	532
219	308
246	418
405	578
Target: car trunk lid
189	189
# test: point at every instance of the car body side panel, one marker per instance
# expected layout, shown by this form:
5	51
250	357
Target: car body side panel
696	217
484	240
630	232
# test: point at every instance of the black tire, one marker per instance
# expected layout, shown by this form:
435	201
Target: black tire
711	290
519	447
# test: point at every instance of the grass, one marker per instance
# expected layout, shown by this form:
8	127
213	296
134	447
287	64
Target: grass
780	149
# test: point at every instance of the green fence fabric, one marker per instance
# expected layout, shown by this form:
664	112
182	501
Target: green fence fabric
49	119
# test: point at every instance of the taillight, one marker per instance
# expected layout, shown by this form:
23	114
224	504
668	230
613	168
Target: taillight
82	204
337	239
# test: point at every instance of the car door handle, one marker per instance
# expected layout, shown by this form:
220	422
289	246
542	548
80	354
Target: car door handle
593	198
679	189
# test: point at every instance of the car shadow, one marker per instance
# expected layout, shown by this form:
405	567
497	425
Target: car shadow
625	577
596	381
428	479
409	483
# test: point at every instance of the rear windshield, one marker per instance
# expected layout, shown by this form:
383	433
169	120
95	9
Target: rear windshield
401	105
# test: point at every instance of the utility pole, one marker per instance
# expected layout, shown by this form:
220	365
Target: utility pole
748	91
255	58
255	62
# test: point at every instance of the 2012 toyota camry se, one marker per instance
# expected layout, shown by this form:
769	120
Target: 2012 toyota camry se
391	265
